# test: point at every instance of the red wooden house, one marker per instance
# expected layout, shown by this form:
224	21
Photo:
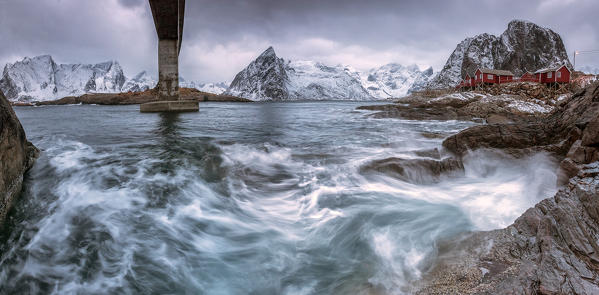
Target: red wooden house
468	81
554	75
489	76
529	77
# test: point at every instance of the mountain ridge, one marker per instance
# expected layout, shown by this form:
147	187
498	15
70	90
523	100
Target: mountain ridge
40	78
269	77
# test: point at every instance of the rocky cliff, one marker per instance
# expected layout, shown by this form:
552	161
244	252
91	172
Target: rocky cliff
523	46
16	156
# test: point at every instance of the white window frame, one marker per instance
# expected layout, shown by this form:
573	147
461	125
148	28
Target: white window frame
490	76
550	75
559	74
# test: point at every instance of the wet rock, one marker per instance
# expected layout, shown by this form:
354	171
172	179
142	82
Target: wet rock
498	119
501	136
419	171
551	249
432	153
414	113
16	156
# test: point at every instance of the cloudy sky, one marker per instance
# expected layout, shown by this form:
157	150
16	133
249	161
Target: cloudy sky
222	36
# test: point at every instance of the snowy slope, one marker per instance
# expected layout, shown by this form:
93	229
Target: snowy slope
394	80
272	78
523	46
216	88
140	82
314	80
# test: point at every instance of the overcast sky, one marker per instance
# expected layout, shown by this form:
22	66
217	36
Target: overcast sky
222	36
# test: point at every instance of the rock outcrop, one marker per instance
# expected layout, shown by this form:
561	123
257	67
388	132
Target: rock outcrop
570	133
16	156
476	106
524	46
552	248
421	171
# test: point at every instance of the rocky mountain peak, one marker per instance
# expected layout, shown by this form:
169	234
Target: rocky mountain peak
523	46
264	78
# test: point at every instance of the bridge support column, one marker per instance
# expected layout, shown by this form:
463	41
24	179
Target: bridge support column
168	19
168	69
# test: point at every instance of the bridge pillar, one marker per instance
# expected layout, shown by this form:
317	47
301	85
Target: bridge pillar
168	69
168	18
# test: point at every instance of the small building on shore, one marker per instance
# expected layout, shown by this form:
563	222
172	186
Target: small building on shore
554	75
490	76
529	77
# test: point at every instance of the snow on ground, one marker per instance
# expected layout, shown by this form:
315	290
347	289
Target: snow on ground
465	96
529	107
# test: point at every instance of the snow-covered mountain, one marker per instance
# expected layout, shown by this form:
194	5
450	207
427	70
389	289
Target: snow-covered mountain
140	82
524	46
272	78
394	80
216	88
40	78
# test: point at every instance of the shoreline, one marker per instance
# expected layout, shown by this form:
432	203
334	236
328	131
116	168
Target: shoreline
132	98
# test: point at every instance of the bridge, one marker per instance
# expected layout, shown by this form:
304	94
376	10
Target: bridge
168	17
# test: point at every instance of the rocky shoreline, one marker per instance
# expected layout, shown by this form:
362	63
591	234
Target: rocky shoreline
133	98
17	155
552	248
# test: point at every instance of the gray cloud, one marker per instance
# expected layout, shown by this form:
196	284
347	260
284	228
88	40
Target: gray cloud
221	37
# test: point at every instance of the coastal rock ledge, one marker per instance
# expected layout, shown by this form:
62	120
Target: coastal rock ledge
552	248
17	155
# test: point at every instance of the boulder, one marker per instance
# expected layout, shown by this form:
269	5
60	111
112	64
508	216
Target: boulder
420	171
16	156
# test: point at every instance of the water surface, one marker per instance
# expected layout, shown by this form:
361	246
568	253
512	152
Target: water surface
241	198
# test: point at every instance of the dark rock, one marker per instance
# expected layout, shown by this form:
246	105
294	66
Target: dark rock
590	137
420	171
432	153
551	249
16	156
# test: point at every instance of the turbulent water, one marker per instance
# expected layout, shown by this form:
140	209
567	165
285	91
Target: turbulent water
243	199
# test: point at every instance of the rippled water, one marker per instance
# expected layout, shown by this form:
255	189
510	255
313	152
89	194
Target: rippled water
242	199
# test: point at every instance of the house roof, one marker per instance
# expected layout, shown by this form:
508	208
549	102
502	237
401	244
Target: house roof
496	72
546	70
